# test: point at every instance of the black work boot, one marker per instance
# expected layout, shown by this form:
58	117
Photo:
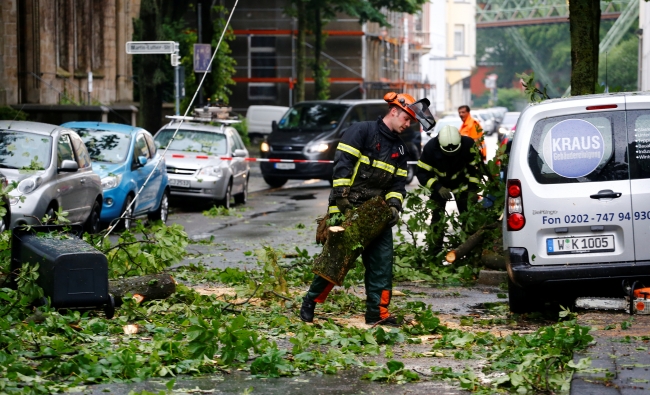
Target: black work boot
388	321
307	310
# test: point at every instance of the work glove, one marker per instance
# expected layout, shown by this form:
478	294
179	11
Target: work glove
393	221
343	204
445	193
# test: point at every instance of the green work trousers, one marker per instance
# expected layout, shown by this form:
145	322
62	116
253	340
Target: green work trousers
378	262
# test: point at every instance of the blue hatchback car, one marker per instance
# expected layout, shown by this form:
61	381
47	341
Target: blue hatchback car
124	156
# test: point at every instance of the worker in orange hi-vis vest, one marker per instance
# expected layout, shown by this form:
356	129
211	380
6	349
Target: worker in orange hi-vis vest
471	128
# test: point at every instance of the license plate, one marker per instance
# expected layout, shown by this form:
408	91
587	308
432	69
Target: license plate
580	245
285	166
179	183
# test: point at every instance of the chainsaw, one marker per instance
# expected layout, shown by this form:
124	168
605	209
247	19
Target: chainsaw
636	300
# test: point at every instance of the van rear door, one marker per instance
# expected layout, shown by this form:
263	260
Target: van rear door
578	207
638	133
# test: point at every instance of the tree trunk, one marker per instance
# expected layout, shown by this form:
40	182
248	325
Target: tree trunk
346	242
150	74
150	287
584	24
466	247
300	52
321	85
493	260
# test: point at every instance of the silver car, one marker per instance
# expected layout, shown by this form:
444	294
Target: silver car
195	166
51	169
578	197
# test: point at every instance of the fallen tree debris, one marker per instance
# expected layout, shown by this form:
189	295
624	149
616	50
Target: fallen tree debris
150	287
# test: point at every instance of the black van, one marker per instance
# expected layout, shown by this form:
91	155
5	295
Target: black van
312	130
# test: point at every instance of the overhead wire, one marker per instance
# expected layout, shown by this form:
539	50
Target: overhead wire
114	223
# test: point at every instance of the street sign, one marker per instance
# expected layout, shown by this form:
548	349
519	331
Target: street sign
202	56
150	47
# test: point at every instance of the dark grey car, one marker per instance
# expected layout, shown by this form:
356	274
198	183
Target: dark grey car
312	130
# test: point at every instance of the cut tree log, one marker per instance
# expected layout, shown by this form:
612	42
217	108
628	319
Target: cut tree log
346	242
466	247
150	287
469	244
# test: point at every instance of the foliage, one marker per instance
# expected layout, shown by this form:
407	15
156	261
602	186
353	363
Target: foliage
394	372
531	91
142	250
511	98
223	66
242	129
419	254
221	211
619	67
9	114
537	362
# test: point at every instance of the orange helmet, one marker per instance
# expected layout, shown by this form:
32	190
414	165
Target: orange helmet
418	110
402	100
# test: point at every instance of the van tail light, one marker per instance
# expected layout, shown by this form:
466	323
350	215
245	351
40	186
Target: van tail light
514	206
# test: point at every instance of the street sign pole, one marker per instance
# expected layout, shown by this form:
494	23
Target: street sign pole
160	47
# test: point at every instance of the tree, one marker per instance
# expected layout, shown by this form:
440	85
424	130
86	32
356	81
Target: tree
315	14
584	24
618	68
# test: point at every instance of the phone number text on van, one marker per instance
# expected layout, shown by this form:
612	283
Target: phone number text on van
604	217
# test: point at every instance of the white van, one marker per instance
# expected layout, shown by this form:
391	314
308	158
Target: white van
260	119
578	197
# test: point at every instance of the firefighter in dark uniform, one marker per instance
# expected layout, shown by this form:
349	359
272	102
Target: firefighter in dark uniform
371	161
450	164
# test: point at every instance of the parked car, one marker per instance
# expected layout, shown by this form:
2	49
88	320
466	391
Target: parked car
260	119
123	156
195	166
487	121
508	124
51	169
312	130
578	197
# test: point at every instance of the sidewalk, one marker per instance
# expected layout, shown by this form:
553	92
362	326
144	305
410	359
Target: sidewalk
621	355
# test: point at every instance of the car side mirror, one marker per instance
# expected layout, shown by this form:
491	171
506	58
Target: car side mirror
142	160
274	125
69	166
239	153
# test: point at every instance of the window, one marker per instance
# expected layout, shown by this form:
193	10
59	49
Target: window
140	148
62	21
262	63
97	35
150	143
639	138
64	150
192	141
105	145
579	148
83	159
355	115
459	39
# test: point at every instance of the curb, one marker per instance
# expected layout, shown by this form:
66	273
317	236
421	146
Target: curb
492	277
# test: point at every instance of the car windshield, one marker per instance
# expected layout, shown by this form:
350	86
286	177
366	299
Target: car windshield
105	145
313	117
24	151
193	141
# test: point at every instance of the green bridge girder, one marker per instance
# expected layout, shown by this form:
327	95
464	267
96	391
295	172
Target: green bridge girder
502	13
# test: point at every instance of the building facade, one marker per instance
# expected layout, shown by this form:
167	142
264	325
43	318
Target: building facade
49	47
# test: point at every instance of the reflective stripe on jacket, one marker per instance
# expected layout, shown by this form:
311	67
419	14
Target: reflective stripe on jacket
370	161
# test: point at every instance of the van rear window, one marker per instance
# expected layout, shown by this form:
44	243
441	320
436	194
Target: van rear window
579	148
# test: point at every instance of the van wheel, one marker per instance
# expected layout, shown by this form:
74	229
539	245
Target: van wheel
275	182
521	301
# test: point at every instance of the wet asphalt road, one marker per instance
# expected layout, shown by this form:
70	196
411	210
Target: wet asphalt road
284	218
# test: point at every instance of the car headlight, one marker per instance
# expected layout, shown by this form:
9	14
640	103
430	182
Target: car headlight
111	182
317	147
29	185
13	200
265	147
503	130
212	171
